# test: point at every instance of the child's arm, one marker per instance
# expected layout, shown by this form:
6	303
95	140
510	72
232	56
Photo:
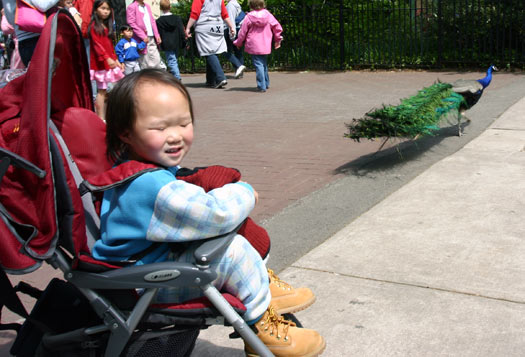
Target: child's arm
99	50
277	30
119	50
141	45
184	212
241	37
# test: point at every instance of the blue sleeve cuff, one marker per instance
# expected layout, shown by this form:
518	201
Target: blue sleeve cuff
248	186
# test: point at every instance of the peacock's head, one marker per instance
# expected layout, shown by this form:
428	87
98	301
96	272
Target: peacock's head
493	68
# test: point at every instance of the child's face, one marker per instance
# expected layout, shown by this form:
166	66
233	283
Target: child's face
127	34
103	11
163	129
68	3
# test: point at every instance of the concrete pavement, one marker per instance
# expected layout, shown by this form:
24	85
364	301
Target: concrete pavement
436	268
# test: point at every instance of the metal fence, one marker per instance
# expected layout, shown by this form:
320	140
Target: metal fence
397	33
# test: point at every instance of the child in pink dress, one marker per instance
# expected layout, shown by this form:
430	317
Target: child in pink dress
104	65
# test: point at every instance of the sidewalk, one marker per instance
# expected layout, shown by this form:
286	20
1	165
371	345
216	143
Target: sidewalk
436	268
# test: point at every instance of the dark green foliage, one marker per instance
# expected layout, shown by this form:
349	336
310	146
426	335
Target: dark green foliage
415	116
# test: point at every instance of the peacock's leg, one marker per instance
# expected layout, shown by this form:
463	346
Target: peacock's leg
460	114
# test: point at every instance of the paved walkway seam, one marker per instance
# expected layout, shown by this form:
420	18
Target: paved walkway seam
413	285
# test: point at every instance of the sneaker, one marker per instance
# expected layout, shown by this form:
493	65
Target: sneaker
284	338
239	71
285	298
221	84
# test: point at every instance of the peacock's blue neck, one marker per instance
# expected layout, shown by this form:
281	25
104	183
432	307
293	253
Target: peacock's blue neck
486	81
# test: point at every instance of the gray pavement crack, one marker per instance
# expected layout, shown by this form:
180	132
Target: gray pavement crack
414	285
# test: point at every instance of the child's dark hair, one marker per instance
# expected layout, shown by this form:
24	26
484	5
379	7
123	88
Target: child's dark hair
257	4
97	23
125	28
122	106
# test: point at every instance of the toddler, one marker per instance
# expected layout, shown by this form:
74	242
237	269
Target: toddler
172	34
258	29
127	50
104	66
150	119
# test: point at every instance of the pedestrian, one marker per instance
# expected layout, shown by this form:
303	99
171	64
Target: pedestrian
68	4
144	27
208	16
150	119
127	50
104	65
27	40
258	30
171	32
234	54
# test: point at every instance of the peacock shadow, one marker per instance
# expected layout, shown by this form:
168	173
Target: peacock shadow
399	154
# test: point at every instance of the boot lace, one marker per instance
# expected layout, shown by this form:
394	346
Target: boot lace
273	321
275	279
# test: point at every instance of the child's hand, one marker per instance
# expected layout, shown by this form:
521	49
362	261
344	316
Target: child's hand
277	45
111	63
254	193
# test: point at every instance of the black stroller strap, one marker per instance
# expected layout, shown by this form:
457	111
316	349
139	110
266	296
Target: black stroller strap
10	299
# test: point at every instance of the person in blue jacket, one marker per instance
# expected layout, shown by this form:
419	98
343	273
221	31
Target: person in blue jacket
127	50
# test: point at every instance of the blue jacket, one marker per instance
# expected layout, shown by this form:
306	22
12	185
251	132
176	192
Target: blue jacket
128	50
156	207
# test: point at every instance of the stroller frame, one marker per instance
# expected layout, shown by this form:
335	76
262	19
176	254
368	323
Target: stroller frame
120	325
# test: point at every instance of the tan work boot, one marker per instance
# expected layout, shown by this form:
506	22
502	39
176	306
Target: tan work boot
285	298
283	338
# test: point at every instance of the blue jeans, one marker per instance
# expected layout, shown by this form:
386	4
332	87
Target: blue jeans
260	63
234	55
173	64
214	72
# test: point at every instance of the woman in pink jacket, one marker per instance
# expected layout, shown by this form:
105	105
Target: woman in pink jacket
140	18
258	29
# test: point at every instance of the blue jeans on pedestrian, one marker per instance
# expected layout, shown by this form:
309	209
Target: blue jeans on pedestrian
260	63
173	64
214	72
233	54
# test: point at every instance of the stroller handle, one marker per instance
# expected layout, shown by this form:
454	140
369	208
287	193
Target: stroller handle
10	158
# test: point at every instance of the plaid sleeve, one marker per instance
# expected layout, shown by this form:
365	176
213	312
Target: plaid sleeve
185	212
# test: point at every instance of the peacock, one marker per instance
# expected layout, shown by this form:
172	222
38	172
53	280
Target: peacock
420	114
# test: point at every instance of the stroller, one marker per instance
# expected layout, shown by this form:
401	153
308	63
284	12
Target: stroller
51	141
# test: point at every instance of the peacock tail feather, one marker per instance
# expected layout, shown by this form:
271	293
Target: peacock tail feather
415	116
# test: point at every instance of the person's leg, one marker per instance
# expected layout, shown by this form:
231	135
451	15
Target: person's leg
258	63
216	68
173	64
100	103
239	54
210	76
240	272
129	67
266	77
26	49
